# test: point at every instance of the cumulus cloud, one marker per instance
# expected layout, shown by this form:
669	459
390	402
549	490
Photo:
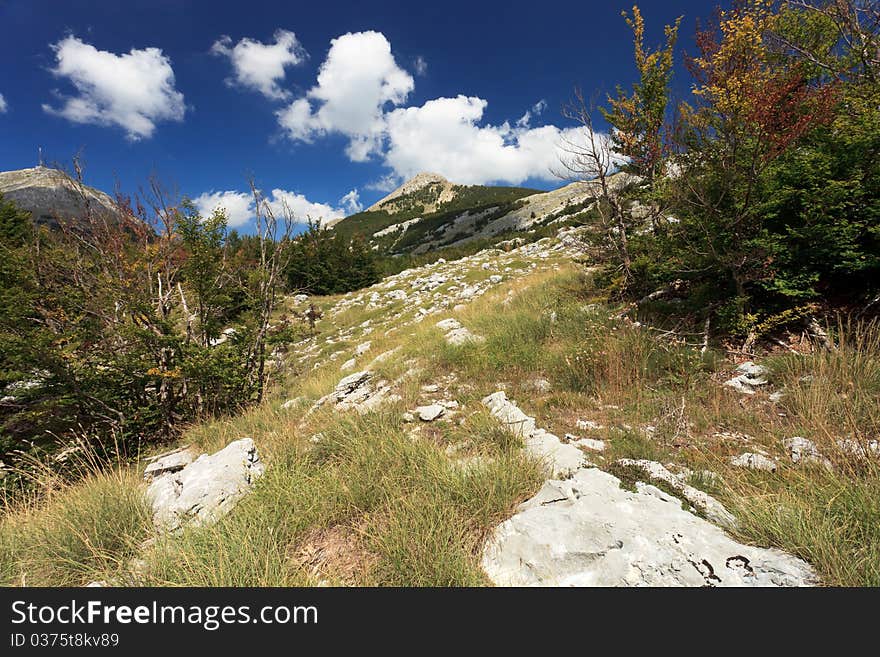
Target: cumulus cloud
134	90
445	135
3	105
261	66
239	206
356	82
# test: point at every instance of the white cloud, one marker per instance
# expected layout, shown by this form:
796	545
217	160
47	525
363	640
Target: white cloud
536	110
261	66
386	183
352	202
134	90
3	105
355	83
421	65
239	206
444	135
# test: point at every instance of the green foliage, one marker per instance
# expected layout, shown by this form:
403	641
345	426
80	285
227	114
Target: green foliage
119	334
776	186
329	262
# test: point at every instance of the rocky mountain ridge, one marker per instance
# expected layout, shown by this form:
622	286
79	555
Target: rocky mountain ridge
51	195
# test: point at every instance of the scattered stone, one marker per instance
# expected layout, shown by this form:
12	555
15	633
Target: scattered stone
449	324
348	365
753	461
450	404
704	503
541	385
300	298
589	531
361	349
776	397
495	279
748	378
866	448
588	425
431	387
801	449
462	336
430	413
408	417
168	462
205	489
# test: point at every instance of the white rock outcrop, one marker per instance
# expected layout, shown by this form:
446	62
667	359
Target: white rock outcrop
703	502
207	488
561	459
588	531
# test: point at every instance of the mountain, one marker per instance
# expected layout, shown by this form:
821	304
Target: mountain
428	212
51	195
430	188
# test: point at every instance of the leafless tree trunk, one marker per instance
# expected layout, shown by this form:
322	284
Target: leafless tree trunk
274	233
592	160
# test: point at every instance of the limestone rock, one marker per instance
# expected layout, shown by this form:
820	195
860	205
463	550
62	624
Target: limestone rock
205	489
753	461
588	531
561	459
168	462
749	376
430	413
705	503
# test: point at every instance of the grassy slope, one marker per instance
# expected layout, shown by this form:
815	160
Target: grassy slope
375	500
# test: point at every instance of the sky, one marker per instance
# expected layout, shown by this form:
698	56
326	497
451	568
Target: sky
326	105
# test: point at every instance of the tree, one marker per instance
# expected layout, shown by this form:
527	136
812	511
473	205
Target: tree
751	107
638	118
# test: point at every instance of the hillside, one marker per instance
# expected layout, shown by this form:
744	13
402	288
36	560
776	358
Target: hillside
492	421
51	195
428	213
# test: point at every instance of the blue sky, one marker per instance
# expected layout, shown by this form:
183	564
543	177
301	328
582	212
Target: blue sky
326	104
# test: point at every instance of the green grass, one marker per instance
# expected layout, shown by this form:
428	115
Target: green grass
83	532
421	515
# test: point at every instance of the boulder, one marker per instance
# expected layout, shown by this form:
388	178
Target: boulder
589	531
207	488
168	462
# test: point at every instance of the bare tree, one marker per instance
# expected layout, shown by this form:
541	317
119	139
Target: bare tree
274	233
591	159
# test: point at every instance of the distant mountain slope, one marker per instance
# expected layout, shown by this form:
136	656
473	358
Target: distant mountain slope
428	212
426	204
51	195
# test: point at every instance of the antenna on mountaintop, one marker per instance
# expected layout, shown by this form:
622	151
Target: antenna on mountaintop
40	154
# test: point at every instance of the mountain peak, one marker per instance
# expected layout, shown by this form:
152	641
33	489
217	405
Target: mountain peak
51	194
416	183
